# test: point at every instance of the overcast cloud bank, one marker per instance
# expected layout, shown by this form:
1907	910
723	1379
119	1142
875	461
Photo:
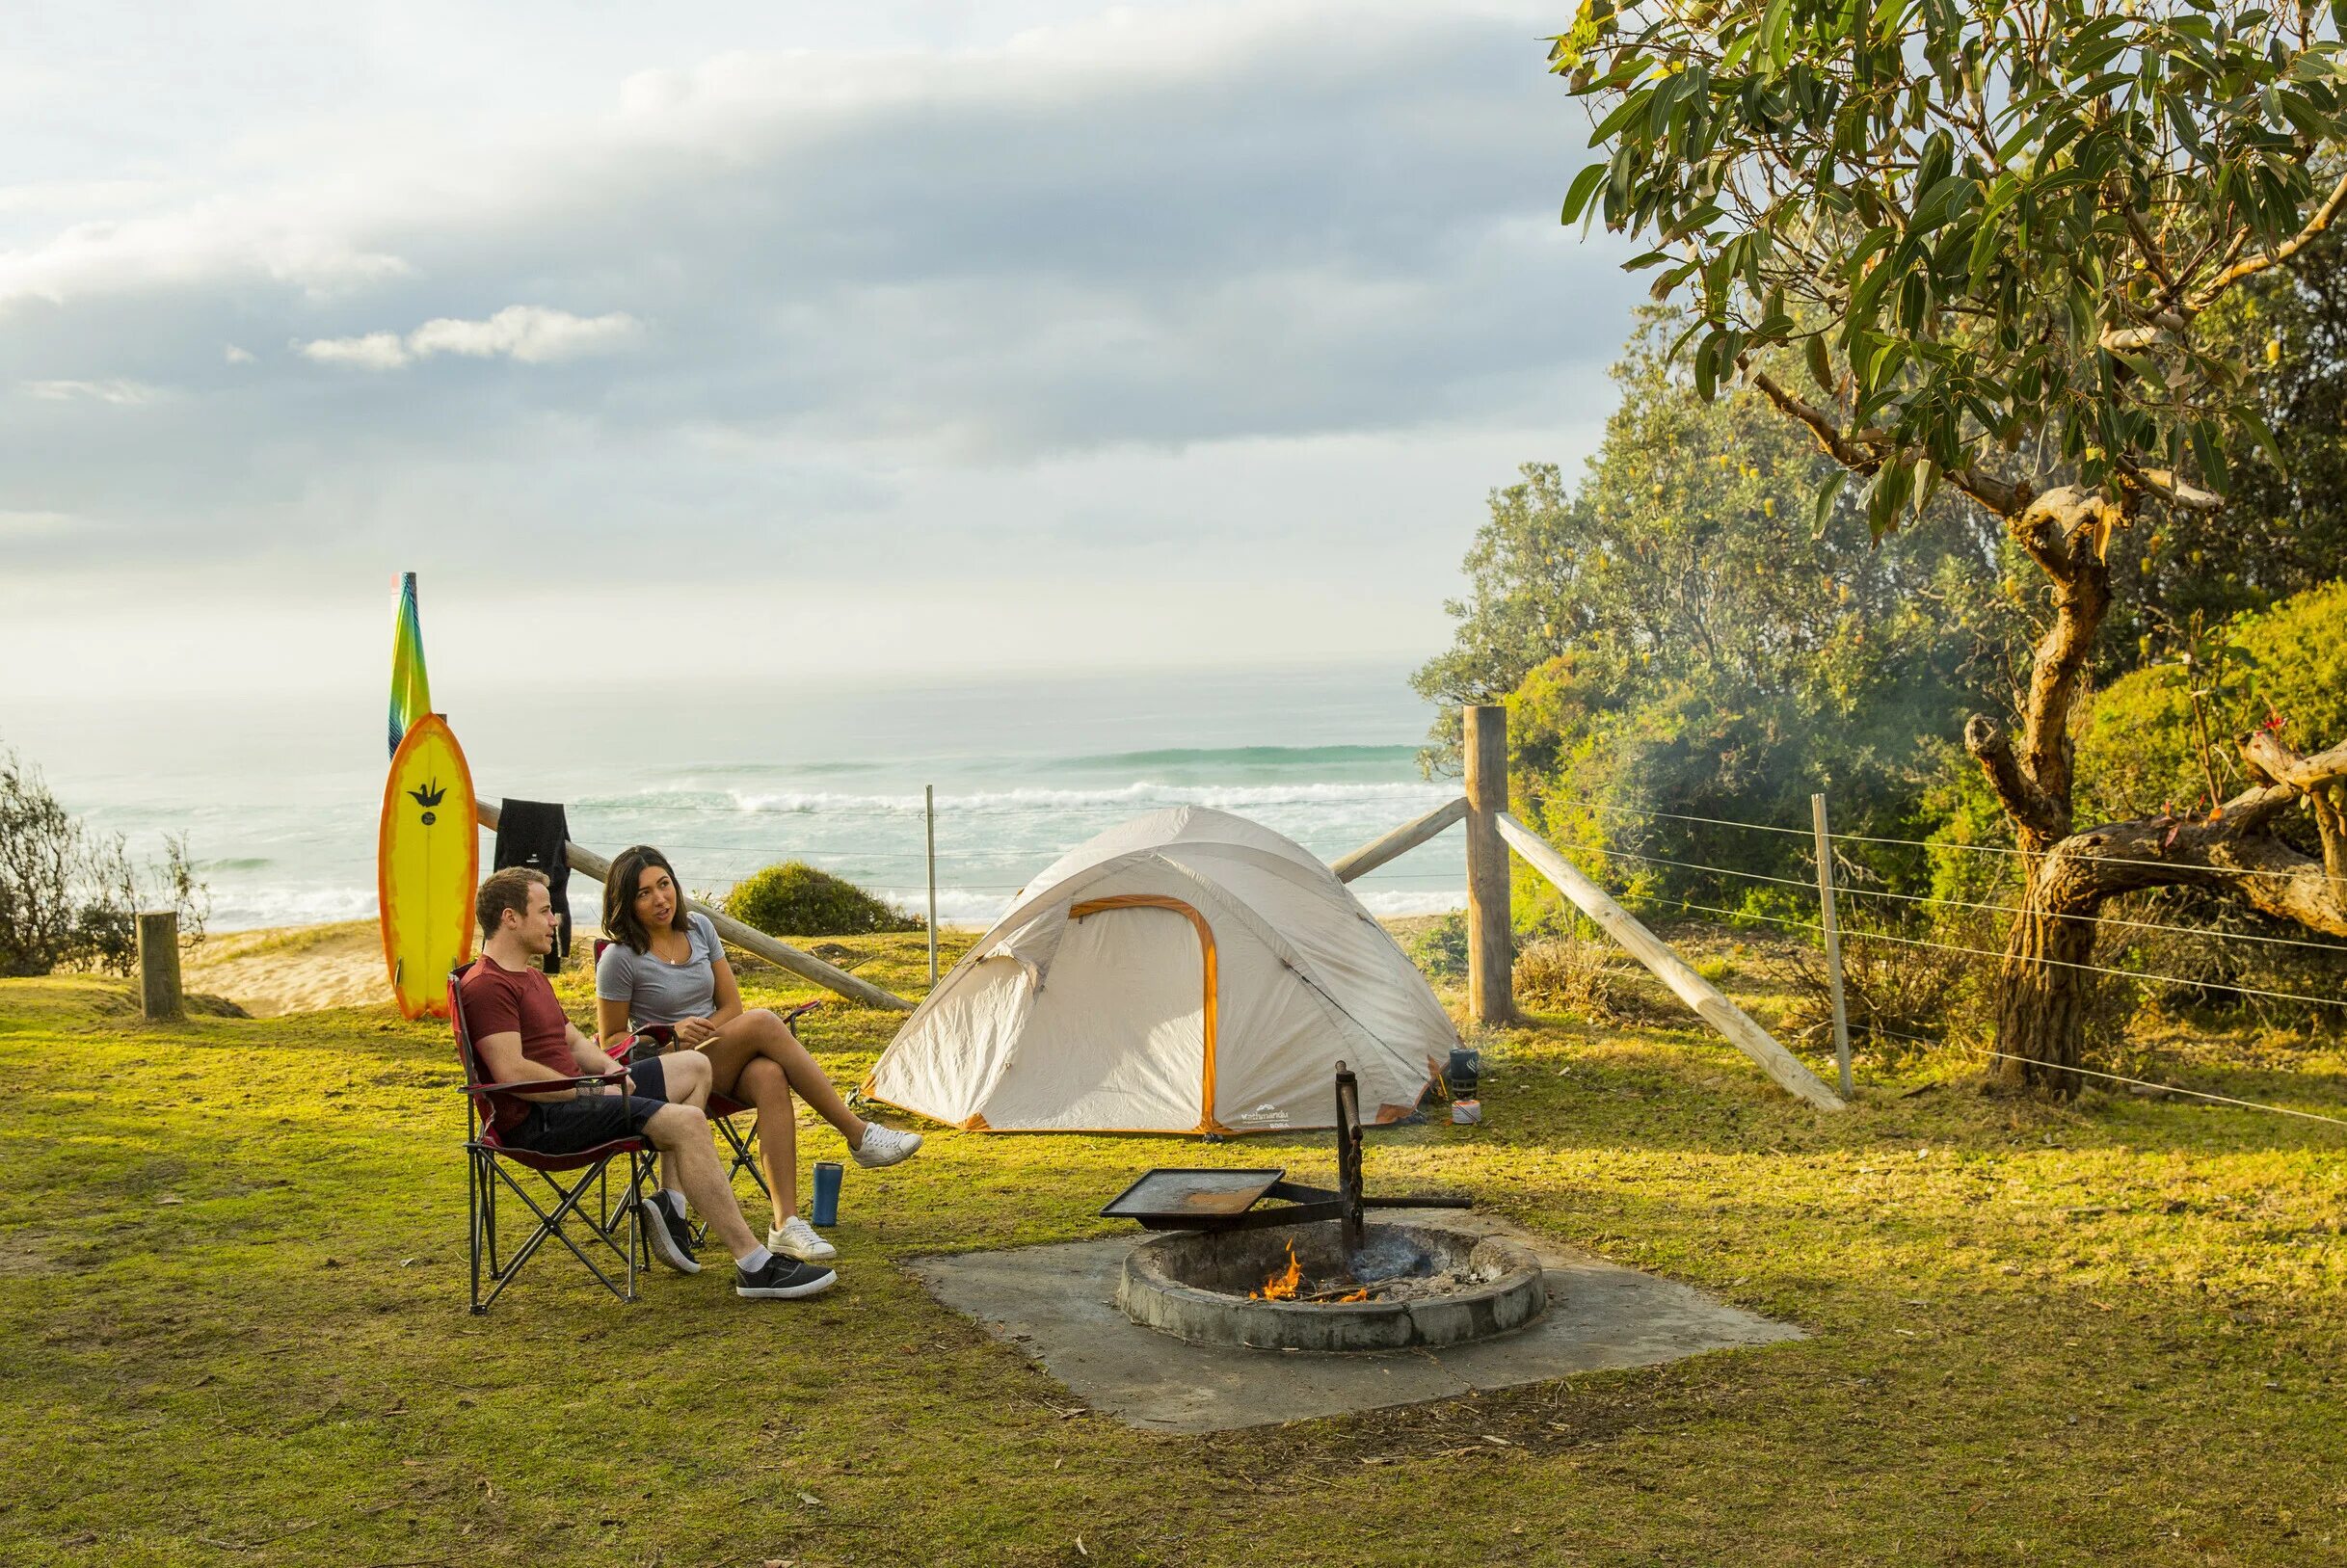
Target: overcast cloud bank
1207	322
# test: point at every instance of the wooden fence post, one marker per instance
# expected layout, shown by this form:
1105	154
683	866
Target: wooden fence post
1833	939
159	964
1490	938
928	797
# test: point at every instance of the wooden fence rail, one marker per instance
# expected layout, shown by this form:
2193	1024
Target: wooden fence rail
1669	968
749	938
1401	841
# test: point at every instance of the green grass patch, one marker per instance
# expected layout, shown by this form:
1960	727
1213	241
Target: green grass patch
232	1267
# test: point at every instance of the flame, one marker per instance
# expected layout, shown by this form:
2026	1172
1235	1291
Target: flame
1282	1286
1361	1294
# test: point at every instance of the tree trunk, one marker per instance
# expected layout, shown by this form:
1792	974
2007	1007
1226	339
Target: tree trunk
2044	998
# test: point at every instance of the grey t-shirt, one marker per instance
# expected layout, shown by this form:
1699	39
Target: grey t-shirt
656	990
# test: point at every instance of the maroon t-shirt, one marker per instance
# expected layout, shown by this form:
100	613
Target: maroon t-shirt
499	1000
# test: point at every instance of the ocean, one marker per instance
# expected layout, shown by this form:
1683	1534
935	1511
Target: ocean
280	799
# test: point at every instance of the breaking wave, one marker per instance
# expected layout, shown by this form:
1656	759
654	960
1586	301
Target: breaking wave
1145	795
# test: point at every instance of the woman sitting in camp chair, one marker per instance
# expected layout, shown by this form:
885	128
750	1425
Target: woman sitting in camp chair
664	965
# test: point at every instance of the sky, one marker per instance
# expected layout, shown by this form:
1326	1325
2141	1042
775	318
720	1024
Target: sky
772	341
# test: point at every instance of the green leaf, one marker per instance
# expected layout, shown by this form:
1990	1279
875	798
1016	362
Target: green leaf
1822	512
2249	420
1585	186
1821	366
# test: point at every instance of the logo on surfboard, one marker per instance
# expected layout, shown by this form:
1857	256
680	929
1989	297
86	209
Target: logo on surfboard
431	795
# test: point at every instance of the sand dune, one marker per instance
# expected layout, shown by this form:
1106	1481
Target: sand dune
292	968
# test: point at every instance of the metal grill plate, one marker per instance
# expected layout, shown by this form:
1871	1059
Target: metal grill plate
1177	1193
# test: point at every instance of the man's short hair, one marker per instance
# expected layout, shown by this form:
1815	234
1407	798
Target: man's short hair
509	889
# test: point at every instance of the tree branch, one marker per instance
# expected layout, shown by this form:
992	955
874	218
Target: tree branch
2318	778
2164	484
2250	266
1863	452
1992	748
2270	758
1844	450
2229	851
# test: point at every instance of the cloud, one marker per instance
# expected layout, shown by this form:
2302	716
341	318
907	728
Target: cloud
232	355
527	332
376	351
120	392
212	240
530	333
1283	271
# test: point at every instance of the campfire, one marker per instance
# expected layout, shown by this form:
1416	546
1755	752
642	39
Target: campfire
1236	1270
1288	1284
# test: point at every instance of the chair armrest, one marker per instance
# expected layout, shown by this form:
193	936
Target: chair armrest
658	1037
543	1086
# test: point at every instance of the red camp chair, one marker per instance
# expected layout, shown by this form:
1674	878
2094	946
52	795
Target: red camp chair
486	1160
722	1108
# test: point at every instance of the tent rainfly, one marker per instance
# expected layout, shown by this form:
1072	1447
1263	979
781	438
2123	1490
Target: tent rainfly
1187	972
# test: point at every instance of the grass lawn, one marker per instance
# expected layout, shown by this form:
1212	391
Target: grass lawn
232	1271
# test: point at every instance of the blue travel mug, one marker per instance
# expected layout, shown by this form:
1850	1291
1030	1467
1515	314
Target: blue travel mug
826	1193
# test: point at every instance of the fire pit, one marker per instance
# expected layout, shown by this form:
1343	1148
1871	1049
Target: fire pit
1308	1274
1294	1288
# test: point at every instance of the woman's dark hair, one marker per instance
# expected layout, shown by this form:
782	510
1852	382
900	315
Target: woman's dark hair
620	923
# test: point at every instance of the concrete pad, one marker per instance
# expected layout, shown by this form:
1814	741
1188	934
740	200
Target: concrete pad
1058	1304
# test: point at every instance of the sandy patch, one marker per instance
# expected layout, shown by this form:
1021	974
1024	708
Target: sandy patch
292	968
302	969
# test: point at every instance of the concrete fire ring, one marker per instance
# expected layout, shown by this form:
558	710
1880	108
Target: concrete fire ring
1193	1284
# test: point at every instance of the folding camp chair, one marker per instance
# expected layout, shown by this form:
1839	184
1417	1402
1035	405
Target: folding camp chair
487	1162
722	1108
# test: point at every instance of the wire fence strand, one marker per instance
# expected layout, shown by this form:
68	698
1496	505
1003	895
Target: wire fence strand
2144	975
2117	1078
1911	843
2099	919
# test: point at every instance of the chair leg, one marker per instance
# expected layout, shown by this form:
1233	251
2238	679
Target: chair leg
489	1215
473	1223
570	1204
638	1166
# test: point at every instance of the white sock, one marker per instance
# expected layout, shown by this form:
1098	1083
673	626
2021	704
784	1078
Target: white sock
756	1258
676	1200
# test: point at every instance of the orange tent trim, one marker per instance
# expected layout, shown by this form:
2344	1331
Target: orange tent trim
1213	981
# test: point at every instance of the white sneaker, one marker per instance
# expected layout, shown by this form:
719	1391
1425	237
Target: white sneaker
885	1146
794	1237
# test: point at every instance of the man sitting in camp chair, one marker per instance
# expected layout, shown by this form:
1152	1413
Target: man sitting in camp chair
521	1032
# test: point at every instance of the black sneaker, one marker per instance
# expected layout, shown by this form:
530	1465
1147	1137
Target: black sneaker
670	1233
783	1278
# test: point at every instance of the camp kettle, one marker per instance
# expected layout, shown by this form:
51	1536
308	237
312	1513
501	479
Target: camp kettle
1465	1067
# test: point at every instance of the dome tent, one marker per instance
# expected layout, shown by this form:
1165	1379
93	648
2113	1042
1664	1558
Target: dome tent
1186	971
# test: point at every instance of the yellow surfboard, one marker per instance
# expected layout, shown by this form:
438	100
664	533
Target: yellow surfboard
428	866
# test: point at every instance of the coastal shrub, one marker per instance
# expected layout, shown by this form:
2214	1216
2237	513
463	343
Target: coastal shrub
1440	951
70	899
795	899
1576	974
2158	738
1898	997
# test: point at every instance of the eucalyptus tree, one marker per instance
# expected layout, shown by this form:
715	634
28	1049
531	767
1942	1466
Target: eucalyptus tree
1993	234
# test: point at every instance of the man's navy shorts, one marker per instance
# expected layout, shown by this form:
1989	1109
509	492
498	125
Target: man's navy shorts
567	1126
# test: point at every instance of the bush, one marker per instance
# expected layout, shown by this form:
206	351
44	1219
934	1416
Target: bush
1574	974
2140	751
1898	997
1440	951
795	899
69	900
